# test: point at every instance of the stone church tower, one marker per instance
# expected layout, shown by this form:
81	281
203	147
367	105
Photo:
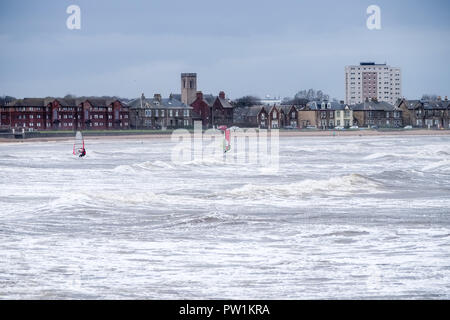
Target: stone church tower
188	87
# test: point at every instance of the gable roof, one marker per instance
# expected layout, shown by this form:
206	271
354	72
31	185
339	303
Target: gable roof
167	103
429	105
373	106
287	108
242	112
224	102
325	105
70	102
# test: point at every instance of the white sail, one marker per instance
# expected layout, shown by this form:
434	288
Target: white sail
78	145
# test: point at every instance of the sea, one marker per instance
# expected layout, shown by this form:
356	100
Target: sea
363	217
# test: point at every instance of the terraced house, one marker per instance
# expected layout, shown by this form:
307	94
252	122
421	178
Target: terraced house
426	114
274	118
377	114
202	108
160	113
343	116
252	117
288	116
319	114
222	111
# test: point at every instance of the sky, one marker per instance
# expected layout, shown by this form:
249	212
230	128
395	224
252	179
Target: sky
242	47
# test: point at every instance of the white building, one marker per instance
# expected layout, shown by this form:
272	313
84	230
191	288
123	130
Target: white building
369	80
270	101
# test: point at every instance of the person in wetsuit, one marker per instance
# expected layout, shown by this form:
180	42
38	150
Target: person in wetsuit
83	153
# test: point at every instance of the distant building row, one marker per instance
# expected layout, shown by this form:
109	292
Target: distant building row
169	113
326	115
181	110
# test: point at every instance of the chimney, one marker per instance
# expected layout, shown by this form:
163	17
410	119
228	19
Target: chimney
222	95
199	95
439	98
446	98
142	98
341	102
157	97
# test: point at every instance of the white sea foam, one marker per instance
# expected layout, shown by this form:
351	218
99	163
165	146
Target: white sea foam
126	169
342	218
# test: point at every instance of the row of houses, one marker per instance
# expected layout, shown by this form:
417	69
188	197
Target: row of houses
213	111
64	114
326	115
266	117
426	114
159	113
316	114
171	113
105	114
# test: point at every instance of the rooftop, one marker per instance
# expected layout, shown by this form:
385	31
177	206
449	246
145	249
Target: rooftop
371	64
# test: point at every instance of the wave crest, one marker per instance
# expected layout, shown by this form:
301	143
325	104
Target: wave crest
336	186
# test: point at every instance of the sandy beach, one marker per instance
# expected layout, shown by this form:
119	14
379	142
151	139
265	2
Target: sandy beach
361	133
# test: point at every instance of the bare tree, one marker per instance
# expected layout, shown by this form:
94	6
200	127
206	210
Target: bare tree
70	96
429	97
246	101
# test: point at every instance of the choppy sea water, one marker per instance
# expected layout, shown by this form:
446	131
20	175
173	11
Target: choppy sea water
343	218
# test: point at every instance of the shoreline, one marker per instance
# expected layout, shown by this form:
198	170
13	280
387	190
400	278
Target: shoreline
330	133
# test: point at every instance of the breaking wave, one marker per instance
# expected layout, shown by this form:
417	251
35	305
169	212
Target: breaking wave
380	155
153	164
336	186
441	165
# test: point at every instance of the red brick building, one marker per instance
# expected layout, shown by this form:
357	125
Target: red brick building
222	111
288	116
100	114
274	117
65	114
29	113
202	108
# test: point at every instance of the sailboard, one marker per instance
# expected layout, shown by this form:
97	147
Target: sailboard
78	145
227	141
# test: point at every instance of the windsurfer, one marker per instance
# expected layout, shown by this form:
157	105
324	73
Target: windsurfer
82	152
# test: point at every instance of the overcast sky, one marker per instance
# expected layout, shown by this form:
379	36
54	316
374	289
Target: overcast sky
238	46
